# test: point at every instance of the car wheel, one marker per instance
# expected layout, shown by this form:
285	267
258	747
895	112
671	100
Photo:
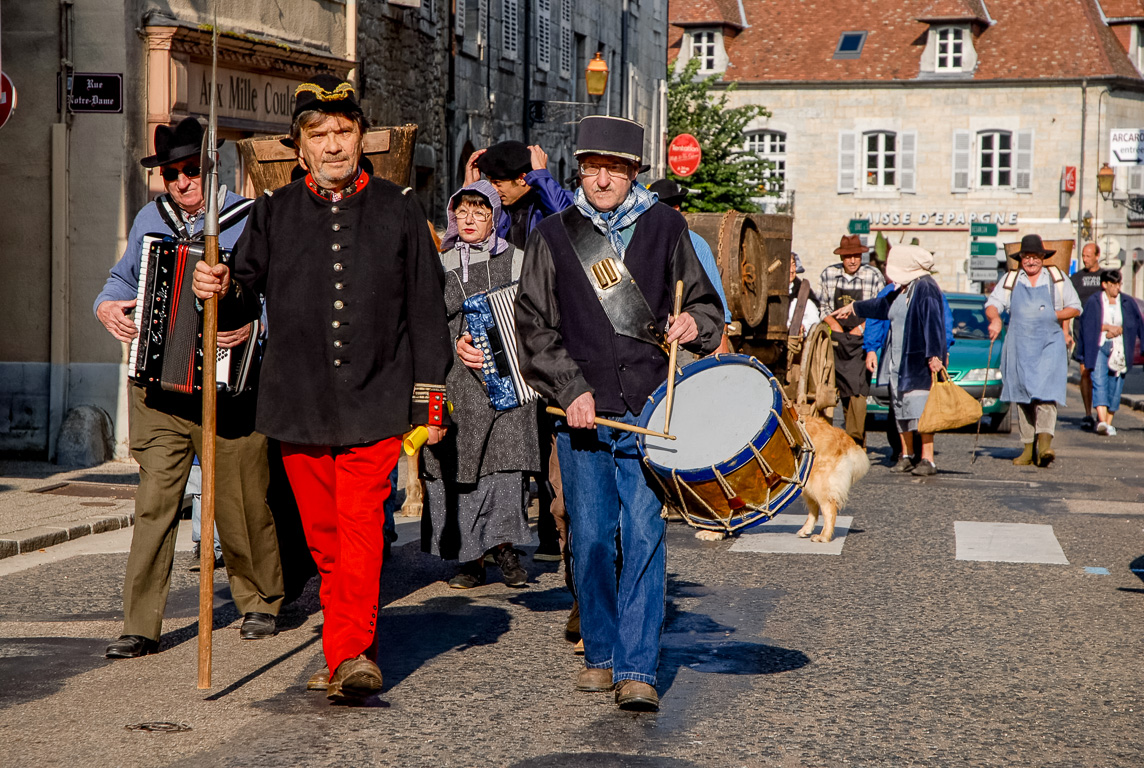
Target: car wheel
1002	422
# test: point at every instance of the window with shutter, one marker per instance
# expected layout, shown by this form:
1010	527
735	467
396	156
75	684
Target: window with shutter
995	159
543	35
847	161
1024	175
566	52
880	160
962	148
908	144
1136	181
510	30
459	18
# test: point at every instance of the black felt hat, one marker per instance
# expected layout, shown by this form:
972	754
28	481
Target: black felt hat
669	192
1033	244
325	93
505	160
175	144
613	136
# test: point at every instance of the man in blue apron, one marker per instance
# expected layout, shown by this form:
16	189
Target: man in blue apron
1034	361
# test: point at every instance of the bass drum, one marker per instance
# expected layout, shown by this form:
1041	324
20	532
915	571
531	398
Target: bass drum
741	453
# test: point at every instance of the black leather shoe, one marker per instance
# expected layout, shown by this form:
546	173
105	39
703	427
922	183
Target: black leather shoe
257	626
131	647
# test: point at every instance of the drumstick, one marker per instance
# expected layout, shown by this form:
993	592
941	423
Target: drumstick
616	425
671	364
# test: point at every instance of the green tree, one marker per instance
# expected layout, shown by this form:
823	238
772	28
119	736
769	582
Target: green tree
728	175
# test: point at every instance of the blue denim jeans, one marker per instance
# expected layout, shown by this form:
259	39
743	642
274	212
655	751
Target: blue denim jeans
607	492
1106	386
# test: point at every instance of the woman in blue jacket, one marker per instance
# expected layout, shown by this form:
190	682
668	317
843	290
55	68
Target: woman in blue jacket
915	345
1109	328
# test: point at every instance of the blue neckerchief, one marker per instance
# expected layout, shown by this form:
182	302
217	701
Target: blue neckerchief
610	224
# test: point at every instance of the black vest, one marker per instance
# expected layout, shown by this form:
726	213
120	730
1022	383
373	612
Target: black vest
622	371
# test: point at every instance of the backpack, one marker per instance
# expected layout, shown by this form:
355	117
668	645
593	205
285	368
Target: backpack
1055	273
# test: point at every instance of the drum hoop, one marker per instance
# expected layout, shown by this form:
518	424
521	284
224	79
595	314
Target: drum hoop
744	455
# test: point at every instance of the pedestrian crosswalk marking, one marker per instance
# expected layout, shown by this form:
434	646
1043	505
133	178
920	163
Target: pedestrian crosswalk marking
780	537
1099	507
1008	543
1096	571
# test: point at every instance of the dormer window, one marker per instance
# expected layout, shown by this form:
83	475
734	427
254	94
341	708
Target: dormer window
950	44
850	45
703	48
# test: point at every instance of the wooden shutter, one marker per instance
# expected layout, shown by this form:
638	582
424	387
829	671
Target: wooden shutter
1023	173
1136	180
847	161
962	165
907	161
510	30
566	39
543	35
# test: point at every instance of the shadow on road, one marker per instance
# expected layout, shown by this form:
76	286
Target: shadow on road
37	667
601	760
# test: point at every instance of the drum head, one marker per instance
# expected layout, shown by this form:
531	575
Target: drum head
721	406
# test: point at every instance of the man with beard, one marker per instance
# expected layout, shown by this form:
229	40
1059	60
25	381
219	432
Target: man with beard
357	352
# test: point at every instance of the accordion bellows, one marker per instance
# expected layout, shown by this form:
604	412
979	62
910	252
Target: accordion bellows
489	316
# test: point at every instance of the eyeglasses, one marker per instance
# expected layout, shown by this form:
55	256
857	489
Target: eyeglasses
476	214
613	169
190	171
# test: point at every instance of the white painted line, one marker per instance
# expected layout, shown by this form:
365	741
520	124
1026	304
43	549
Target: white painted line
1096	507
1008	543
780	538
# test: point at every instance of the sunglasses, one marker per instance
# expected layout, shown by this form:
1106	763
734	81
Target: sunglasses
190	171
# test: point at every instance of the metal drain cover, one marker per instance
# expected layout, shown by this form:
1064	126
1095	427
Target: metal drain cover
159	727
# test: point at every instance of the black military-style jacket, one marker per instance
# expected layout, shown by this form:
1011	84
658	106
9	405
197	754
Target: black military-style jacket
354	313
567	344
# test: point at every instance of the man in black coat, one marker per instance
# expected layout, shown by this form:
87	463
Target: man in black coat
357	351
573	354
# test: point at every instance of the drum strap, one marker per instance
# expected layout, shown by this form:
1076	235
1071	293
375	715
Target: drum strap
620	297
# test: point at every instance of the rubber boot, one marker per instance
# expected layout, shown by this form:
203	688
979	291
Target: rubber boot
1045	453
1026	457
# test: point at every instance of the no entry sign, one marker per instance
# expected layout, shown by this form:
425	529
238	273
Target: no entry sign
7	99
684	154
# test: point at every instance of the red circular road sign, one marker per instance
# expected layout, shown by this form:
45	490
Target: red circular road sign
7	98
684	154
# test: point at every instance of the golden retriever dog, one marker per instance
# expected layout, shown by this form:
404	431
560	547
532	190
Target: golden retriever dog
838	463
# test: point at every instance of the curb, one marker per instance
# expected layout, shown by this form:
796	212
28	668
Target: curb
1134	402
33	539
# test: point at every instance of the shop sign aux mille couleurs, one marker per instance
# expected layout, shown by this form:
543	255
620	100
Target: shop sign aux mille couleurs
242	96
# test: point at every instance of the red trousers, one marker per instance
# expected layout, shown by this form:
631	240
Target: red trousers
341	494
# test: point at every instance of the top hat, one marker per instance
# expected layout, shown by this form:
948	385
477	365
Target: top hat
1032	244
612	136
175	144
325	93
669	192
505	160
851	245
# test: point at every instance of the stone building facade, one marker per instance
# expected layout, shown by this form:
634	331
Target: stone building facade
71	183
471	73
926	116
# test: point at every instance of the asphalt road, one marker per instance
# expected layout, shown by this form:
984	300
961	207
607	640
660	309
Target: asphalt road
902	647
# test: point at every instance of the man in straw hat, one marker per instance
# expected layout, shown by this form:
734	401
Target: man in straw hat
357	352
577	350
1034	360
166	429
840	284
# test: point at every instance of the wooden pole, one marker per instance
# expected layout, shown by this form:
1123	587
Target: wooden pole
670	398
616	425
210	390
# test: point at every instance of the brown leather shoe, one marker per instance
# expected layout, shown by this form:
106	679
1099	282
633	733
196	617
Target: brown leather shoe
354	680
592	680
319	681
635	696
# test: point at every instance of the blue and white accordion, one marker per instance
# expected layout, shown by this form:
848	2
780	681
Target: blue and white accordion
491	323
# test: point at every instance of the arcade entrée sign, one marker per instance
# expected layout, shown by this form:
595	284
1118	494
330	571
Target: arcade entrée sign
684	154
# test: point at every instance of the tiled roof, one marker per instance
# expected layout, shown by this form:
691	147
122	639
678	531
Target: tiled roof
700	12
795	40
1123	9
954	10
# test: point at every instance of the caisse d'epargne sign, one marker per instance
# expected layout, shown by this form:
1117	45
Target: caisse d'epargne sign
1126	146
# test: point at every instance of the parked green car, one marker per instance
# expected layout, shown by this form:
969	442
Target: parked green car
967	363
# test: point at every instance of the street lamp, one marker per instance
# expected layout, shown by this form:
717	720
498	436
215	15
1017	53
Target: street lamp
596	75
1105	183
596	80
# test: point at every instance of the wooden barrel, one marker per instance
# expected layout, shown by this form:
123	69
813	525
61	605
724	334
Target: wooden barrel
270	163
753	254
1061	259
